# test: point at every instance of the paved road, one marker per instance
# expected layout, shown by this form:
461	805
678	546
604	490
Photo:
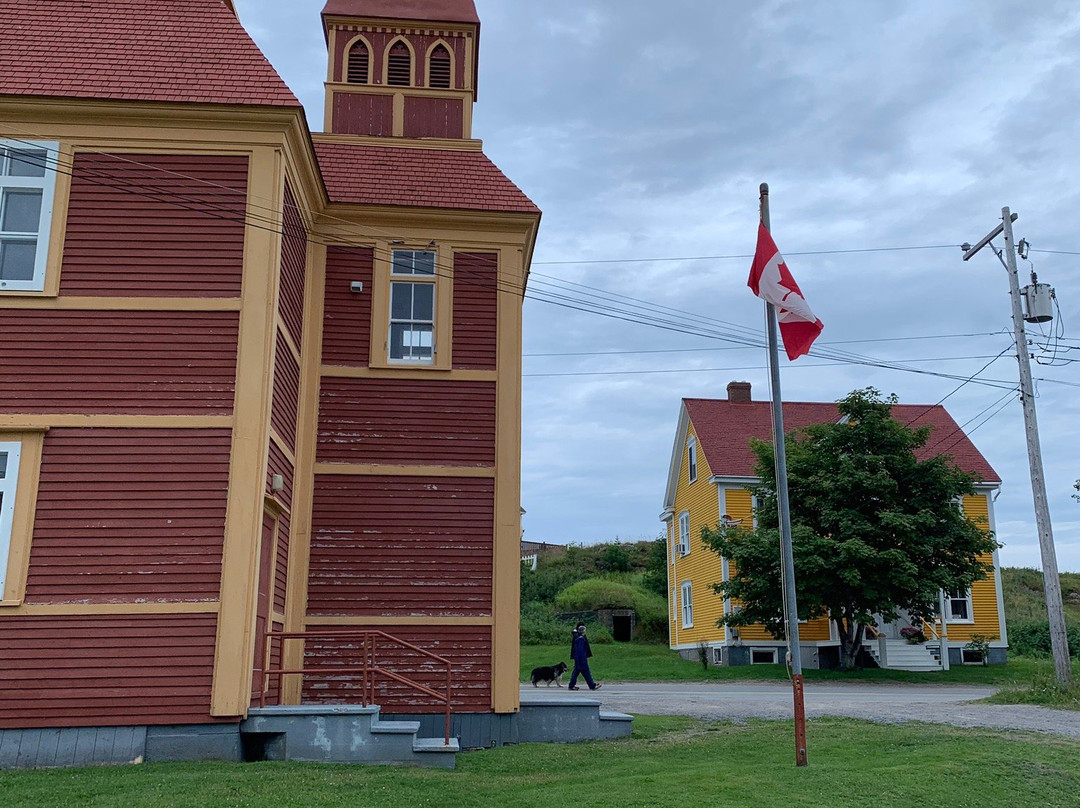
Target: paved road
885	703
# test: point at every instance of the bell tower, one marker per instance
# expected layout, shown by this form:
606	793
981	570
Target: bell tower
401	68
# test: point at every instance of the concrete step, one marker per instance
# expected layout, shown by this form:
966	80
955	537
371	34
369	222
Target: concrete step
615	725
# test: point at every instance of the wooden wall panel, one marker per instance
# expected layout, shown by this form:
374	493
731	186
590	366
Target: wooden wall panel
293	267
347	316
467	647
286	396
438	422
129	515
476	310
117	362
434	117
363	114
384	545
106	671
155	225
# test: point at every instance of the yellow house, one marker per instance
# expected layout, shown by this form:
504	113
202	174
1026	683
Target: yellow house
711	468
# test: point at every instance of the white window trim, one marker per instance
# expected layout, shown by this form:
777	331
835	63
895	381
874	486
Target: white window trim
47	184
970	610
9	486
763	651
413	279
686	601
691	458
684	533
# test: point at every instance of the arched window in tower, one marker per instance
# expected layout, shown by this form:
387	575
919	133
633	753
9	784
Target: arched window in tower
399	65
359	59
439	68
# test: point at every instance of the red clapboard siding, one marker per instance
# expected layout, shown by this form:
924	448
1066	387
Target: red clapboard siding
281	568
279	464
476	306
347	314
363	114
129	514
434	117
106	671
437	422
293	267
117	362
286	394
155	225
467	647
401	546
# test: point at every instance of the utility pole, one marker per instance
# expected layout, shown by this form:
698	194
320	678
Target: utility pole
787	562
1051	580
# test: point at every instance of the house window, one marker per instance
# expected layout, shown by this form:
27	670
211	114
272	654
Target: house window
439	68
687	606
958	606
684	533
399	65
27	185
412	307
691	458
359	62
9	478
762	656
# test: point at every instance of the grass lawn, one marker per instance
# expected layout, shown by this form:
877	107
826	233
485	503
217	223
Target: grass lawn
669	762
634	662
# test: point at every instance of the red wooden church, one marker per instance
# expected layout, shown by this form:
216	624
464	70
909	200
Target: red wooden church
253	380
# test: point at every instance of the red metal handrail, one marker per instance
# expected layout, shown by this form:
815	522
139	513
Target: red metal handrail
368	668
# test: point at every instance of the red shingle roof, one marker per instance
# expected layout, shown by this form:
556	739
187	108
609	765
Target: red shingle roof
724	430
432	10
425	178
188	51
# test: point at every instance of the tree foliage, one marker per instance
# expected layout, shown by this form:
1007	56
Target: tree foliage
875	530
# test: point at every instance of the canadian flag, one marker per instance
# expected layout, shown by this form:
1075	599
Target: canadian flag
771	281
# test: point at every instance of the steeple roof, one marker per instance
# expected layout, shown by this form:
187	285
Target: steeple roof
460	11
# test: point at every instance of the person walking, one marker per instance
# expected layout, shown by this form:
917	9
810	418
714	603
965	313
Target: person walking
580	653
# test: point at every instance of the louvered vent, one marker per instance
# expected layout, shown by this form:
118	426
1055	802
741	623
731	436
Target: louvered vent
440	68
358	64
399	66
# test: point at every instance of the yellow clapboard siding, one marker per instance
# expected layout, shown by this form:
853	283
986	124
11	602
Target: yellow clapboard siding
701	566
984	602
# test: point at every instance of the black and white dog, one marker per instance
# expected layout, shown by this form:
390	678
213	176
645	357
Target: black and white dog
549	674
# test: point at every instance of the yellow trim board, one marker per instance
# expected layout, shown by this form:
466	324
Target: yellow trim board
386	469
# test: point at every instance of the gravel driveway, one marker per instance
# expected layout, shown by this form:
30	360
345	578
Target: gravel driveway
883	703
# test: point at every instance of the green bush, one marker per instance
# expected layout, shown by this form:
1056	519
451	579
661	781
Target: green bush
541	625
603	593
1032	638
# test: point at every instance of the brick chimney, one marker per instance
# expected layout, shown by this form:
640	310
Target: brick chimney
738	392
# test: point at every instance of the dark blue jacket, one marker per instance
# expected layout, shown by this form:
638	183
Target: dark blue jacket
580	650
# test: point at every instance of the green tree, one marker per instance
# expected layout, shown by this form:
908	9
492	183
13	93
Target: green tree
875	530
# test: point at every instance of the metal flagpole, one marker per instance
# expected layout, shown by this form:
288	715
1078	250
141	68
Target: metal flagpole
787	560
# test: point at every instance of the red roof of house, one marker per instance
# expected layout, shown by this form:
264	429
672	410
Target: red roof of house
724	429
431	10
186	51
424	178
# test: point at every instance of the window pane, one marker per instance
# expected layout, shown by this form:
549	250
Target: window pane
22	211
3	465
17	260
402	263
401	301
424	263
27	163
423	301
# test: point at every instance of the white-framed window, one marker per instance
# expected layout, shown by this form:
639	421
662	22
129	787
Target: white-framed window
691	457
958	606
9	477
762	656
412	307
684	533
27	187
687	600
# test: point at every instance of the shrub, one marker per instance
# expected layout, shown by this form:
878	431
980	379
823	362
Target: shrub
1033	639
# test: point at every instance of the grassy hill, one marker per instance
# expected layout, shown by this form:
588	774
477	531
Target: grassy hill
1022	589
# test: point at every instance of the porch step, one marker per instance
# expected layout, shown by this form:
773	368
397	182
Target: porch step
904	656
340	734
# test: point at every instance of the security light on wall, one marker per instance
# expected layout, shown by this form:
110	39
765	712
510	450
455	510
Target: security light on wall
277	483
356	286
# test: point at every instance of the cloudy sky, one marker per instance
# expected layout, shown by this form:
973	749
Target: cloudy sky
889	134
